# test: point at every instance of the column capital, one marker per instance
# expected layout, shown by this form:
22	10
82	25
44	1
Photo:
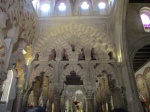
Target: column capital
57	93
89	92
121	64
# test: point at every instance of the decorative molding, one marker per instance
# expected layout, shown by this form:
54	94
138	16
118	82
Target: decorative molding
47	70
105	68
73	67
70	34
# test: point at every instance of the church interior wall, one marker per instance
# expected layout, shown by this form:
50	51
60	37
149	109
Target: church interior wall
47	52
135	30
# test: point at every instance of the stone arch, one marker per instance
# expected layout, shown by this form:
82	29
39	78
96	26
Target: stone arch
138	44
73	67
145	8
108	69
48	71
81	31
142	87
18	56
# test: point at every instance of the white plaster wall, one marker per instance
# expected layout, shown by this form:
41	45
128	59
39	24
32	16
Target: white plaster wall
140	71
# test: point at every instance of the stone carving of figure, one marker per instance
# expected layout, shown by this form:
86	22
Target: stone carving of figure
6	87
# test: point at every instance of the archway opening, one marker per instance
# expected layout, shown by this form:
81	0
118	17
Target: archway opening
141	65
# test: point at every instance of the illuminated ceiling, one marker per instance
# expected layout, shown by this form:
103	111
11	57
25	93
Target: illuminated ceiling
50	8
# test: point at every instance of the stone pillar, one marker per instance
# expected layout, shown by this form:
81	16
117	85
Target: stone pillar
18	102
104	106
57	104
109	106
117	100
100	107
10	41
36	100
90	98
84	105
57	100
25	102
49	105
90	104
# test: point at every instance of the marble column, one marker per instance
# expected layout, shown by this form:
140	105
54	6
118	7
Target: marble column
104	107
57	99
12	35
57	104
101	107
84	105
49	105
25	102
117	100
18	102
109	106
90	98
90	105
36	100
44	104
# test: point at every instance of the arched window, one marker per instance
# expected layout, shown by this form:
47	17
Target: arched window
145	18
85	7
61	7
